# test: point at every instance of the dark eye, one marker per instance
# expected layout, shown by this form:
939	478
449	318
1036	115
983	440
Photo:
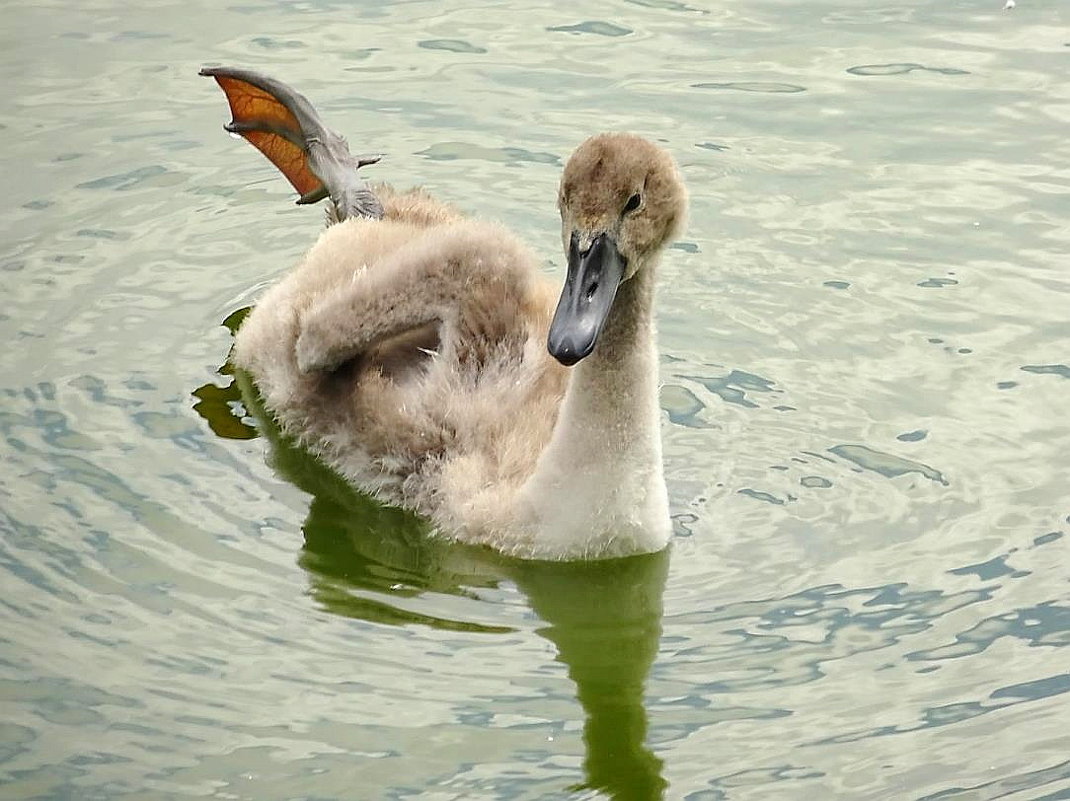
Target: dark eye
633	203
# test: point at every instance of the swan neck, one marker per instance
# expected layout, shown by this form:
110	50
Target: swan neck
628	338
599	488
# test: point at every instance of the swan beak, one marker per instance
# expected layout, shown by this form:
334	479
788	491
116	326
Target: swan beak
595	270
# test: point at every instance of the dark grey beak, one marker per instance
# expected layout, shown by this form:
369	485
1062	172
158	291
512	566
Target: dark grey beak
593	277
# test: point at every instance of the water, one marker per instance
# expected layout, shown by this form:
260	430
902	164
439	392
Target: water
866	354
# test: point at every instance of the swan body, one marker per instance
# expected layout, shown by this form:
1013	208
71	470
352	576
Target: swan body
421	355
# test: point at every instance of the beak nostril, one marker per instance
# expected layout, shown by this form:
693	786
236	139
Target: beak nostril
591	290
585	245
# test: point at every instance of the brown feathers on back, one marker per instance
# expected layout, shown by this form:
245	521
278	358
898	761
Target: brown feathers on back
410	353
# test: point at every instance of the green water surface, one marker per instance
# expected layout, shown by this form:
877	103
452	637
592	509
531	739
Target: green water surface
865	339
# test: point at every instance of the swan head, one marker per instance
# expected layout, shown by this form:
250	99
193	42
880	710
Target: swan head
621	201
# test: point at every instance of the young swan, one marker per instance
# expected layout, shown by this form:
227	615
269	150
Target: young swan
420	355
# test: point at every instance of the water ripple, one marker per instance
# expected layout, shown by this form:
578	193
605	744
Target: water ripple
1011	785
596	27
762	87
450	45
949	714
902	69
886	464
190	609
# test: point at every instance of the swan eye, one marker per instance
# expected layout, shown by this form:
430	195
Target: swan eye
633	203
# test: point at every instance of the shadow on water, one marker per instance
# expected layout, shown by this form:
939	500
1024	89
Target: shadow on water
604	618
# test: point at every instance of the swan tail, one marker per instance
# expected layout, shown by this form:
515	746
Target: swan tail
284	126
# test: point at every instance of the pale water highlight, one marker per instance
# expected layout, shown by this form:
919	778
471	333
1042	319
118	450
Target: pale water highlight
865	365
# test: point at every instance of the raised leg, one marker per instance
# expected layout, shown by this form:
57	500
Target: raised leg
284	126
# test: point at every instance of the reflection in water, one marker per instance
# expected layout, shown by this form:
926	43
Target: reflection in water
604	618
218	405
